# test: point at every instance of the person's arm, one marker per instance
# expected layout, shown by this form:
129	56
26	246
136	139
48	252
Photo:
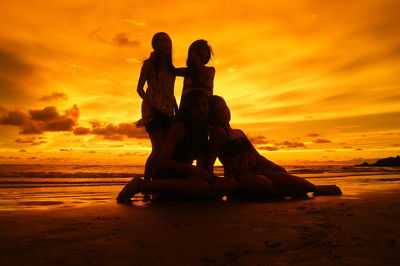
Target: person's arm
144	74
175	134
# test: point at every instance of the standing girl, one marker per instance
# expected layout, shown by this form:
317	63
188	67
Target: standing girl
159	104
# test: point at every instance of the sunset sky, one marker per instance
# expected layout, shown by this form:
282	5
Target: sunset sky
308	81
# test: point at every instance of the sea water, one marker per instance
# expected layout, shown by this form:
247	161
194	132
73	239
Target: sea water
38	186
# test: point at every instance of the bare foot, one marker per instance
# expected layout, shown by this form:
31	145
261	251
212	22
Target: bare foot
129	191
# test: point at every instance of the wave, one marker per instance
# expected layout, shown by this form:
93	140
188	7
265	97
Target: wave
35	174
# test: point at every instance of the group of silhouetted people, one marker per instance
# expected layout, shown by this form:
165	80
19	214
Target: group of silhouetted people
199	130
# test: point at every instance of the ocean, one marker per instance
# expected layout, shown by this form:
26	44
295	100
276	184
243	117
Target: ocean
38	186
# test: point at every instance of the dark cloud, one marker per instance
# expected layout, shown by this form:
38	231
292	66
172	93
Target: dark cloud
118	132
268	148
122	39
14	118
322	141
294	144
259	140
81	131
313	135
46	114
22	150
54	96
39	121
32	141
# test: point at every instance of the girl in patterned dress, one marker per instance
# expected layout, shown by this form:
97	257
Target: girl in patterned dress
159	105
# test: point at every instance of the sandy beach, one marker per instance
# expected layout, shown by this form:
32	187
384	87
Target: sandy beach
357	229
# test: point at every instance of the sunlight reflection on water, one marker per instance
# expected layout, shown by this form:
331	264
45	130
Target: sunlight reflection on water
30	187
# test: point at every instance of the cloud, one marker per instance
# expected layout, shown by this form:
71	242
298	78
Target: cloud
54	96
81	131
14	118
118	132
32	141
39	121
259	140
313	135
122	39
268	148
322	141
294	144
46	114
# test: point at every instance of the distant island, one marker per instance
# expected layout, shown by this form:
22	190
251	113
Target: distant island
391	161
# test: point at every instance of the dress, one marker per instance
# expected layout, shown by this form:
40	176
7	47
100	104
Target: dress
161	91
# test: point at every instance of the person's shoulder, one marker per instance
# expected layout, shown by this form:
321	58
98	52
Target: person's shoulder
211	69
147	63
240	133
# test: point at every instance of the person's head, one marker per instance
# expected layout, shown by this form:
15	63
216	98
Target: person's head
194	107
162	53
202	49
162	43
219	113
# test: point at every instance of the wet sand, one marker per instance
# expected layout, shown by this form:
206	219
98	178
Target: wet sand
360	229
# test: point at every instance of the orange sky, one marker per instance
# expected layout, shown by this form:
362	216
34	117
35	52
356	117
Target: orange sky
309	81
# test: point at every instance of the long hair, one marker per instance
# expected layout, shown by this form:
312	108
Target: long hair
155	56
195	47
188	101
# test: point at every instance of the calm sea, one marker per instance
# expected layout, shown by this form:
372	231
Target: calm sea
34	186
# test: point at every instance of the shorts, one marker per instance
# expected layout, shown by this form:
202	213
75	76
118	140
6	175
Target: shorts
160	121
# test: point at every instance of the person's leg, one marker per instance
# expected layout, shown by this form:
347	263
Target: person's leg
254	185
157	138
189	188
288	184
